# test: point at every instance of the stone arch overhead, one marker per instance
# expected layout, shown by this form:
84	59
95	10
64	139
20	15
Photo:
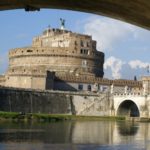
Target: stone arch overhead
125	101
133	11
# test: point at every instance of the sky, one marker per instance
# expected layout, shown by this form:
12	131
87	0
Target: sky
126	47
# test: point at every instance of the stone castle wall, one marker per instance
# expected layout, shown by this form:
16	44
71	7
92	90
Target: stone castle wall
73	57
91	83
146	84
69	82
26	82
35	80
54	102
102	81
63	38
58	51
55	62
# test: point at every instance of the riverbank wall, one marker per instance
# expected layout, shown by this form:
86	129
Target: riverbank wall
55	102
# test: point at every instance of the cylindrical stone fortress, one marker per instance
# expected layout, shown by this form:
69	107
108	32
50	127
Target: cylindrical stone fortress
60	51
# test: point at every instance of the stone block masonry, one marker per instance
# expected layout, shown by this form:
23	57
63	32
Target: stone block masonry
54	102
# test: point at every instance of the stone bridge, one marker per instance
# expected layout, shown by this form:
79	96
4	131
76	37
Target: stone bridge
132	105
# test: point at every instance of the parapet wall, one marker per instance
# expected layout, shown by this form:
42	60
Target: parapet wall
103	81
32	51
39	79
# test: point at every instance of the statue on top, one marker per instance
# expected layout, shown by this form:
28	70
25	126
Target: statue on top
62	27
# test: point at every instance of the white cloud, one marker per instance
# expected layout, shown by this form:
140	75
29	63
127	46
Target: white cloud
115	65
135	64
117	68
109	33
129	42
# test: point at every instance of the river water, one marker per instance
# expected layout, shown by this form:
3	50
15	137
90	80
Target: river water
75	135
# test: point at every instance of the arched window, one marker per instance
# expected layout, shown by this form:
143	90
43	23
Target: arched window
89	87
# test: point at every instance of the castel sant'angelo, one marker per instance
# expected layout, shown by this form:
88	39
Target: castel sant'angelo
60	60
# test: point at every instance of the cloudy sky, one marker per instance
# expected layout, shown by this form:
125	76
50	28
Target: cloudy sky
126	47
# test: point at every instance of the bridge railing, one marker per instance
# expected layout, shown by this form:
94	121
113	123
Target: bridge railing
128	94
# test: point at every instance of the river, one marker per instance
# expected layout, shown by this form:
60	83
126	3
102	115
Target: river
75	135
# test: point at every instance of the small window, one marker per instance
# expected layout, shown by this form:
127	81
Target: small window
80	87
94	46
82	43
29	51
87	44
86	52
84	63
75	42
89	87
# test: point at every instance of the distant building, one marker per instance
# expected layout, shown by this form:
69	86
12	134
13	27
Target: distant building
61	60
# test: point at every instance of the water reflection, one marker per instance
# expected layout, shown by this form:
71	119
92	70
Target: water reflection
75	135
45	133
128	128
93	132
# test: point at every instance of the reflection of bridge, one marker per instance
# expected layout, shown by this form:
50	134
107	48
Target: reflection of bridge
136	11
132	105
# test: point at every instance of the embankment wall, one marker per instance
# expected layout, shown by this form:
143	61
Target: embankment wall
54	102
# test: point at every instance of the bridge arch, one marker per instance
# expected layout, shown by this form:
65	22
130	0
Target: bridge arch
128	108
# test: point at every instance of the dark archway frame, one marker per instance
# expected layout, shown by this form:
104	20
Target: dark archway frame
132	11
128	108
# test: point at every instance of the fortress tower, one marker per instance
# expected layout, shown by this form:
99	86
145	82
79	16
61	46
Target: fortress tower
59	59
56	50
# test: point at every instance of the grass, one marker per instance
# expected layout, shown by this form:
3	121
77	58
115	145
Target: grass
8	115
53	117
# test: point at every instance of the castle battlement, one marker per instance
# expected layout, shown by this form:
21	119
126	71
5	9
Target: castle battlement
33	51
